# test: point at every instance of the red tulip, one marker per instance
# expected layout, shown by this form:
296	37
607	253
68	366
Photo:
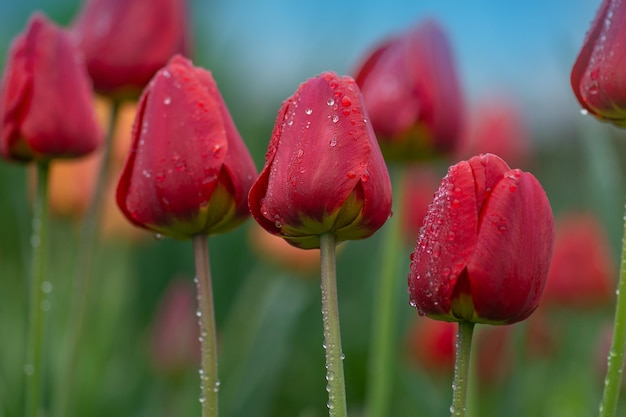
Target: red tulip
188	171
598	76
432	346
323	170
412	93
46	104
582	270
496	127
126	41
420	184
485	250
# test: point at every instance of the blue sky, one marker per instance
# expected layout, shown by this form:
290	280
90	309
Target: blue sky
520	48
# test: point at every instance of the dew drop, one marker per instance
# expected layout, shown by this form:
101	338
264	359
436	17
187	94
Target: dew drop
308	111
146	173
335	118
584	112
330	101
29	369
167	101
351	174
46	287
333	142
158	236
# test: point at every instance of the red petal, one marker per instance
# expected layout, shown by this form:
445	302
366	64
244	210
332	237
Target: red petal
509	267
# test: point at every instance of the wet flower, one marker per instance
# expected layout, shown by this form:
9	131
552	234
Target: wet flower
582	270
46	106
485	250
412	93
126	41
188	171
324	172
598	77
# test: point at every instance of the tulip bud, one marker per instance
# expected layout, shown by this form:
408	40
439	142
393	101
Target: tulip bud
324	172
188	171
419	185
126	41
582	270
496	126
598	77
175	346
412	93
485	250
46	106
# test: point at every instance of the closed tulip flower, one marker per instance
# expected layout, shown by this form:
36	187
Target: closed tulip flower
598	77
46	104
496	126
412	93
188	171
323	172
485	250
126	41
582	269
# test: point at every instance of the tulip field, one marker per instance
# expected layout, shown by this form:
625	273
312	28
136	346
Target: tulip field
372	238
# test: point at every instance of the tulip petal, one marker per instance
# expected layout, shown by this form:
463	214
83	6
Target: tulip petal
446	243
515	222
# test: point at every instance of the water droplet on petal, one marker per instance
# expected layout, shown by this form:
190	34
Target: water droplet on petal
351	174
308	111
330	101
167	101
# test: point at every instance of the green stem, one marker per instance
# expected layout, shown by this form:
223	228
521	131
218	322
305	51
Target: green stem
461	368
209	383
38	291
381	362
84	269
613	380
332	334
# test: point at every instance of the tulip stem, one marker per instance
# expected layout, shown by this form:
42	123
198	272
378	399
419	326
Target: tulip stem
381	363
461	368
39	288
332	335
209	383
86	250
613	380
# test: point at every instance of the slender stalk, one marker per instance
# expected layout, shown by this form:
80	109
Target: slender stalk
381	361
461	368
209	384
332	335
84	268
38	290
613	380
